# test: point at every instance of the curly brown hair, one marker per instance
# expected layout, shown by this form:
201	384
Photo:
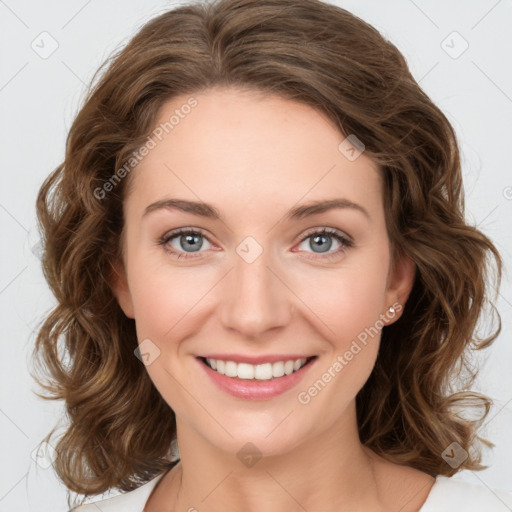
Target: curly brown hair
120	428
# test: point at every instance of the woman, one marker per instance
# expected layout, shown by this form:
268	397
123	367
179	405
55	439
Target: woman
258	247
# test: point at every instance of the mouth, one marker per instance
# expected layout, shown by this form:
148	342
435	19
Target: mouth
262	381
257	372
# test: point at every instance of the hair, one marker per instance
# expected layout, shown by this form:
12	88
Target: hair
120	428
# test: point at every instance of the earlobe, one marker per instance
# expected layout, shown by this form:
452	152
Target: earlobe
119	285
400	283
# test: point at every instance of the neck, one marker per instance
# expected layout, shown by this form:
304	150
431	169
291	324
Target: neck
330	472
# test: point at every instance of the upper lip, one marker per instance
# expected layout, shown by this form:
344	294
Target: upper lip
270	358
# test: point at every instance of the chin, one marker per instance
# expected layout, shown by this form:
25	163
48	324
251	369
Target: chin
265	439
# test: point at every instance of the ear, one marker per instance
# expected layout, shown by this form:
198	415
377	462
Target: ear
119	285
401	277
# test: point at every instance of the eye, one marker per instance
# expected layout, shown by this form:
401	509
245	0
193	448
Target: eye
184	242
322	240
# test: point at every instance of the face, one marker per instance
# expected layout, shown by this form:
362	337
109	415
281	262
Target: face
257	277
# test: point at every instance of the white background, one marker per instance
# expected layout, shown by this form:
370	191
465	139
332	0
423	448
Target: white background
39	98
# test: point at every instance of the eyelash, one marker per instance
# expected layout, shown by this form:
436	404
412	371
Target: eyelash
346	242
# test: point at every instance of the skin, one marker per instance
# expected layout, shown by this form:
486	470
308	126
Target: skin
254	157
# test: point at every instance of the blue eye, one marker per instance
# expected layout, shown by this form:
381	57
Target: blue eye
183	243
322	240
186	239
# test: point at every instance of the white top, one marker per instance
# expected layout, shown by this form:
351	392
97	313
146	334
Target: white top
446	495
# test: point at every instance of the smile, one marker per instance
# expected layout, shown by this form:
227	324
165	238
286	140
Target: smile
265	371
262	381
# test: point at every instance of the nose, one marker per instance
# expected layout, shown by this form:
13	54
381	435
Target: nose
255	298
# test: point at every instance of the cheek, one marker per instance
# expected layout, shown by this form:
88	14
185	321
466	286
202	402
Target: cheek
347	304
164	299
167	302
357	306
350	307
346	300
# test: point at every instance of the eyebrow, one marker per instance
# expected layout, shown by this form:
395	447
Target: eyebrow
299	212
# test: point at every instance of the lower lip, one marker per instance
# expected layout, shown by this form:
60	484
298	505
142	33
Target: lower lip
256	389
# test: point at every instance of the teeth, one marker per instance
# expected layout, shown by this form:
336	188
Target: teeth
230	369
262	371
265	371
244	371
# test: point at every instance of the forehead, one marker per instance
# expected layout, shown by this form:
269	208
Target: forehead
248	148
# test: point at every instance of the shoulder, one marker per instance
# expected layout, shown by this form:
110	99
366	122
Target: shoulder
133	501
453	494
